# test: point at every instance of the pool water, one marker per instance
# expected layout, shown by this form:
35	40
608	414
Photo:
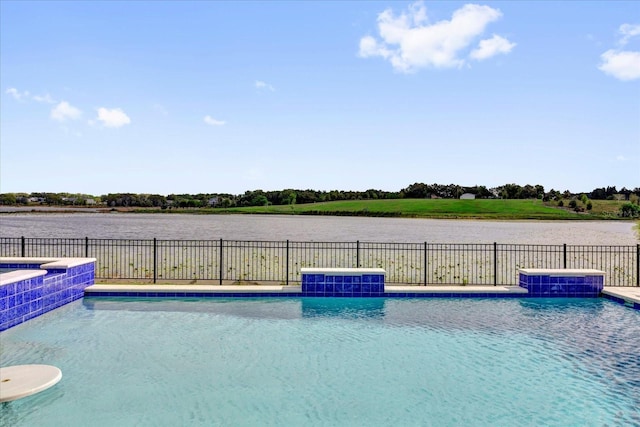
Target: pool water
331	362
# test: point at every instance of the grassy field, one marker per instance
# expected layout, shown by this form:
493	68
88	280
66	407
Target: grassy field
432	208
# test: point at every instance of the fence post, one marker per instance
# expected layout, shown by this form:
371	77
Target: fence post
425	263
564	255
357	253
220	262
495	263
287	264
638	265
86	247
22	247
155	260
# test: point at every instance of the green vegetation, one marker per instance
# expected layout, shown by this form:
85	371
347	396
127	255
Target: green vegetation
430	208
509	201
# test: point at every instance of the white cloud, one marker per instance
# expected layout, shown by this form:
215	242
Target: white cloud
370	47
628	31
16	94
44	99
213	122
409	42
113	118
65	111
623	65
263	85
491	47
26	96
621	158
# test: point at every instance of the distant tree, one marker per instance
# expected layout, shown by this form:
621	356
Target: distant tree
511	191
416	191
157	200
259	200
552	195
225	202
625	192
483	193
53	199
629	210
190	203
8	199
287	197
598	194
528	192
22	199
589	205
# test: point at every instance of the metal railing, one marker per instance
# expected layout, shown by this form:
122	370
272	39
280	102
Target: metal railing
424	263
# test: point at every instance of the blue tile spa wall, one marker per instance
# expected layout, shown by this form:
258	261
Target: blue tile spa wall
27	298
587	284
343	283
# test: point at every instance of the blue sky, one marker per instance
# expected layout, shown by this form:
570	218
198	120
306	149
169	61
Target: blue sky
224	97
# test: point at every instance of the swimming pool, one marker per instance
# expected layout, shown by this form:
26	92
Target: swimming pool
331	361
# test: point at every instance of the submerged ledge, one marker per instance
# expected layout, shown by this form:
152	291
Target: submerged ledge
281	290
629	296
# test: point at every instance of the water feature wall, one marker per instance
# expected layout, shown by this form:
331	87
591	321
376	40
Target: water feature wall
38	285
562	282
343	282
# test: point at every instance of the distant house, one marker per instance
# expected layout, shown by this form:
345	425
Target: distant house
90	201
468	196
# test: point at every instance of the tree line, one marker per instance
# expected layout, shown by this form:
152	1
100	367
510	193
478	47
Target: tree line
293	196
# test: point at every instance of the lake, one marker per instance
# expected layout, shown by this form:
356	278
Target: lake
314	228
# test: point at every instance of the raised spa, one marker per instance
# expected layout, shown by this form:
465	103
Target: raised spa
31	287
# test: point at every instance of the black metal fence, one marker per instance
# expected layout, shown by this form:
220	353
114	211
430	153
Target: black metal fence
224	261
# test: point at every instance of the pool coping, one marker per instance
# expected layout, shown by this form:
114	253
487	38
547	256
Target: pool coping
629	296
18	275
48	262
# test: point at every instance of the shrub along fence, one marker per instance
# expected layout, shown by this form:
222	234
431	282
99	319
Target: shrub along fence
224	261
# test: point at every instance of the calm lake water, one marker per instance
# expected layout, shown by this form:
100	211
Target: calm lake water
315	228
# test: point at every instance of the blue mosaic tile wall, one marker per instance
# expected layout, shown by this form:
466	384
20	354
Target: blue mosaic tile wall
328	285
29	298
586	286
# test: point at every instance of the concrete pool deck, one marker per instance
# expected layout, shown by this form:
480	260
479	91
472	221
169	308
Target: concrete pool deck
624	295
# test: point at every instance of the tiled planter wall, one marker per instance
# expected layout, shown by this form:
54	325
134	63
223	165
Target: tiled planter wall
348	282
562	283
31	297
